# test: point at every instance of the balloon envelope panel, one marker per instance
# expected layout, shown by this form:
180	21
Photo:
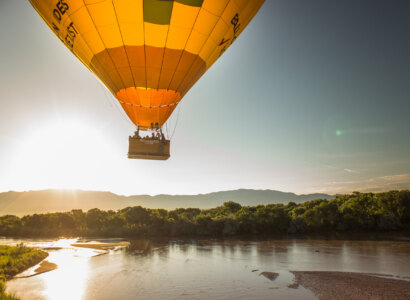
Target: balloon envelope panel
148	53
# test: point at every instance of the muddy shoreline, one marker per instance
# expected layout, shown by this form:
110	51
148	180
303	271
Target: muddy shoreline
345	285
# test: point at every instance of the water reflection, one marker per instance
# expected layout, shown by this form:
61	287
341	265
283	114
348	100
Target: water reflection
201	269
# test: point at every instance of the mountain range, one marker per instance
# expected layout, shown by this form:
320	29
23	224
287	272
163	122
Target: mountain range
30	202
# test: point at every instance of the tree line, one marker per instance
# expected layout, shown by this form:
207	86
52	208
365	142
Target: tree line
345	213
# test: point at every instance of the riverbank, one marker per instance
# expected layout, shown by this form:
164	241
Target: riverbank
346	285
15	259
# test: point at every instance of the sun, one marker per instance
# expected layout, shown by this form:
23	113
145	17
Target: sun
63	154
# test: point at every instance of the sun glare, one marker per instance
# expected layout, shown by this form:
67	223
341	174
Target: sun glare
62	155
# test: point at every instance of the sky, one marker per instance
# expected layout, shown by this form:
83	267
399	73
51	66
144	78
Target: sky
314	96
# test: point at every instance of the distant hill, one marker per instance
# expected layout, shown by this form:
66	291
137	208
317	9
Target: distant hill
23	203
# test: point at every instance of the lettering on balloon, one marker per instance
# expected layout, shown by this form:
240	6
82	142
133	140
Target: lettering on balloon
236	27
70	32
60	10
71	35
57	31
55	28
224	41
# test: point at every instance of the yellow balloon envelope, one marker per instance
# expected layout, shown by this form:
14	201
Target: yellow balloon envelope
148	53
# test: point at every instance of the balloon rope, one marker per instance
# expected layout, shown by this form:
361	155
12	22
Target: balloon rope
110	99
166	129
105	94
176	123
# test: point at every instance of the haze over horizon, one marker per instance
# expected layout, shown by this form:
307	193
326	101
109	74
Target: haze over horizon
168	194
313	97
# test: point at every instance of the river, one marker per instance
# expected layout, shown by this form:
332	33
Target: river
200	269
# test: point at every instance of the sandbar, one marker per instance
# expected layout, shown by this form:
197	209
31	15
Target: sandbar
102	246
45	266
270	275
345	285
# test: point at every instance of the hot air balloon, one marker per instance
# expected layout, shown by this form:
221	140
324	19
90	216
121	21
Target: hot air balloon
148	53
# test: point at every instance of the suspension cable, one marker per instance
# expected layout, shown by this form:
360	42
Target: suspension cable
176	123
110	99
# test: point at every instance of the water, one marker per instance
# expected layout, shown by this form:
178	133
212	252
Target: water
202	269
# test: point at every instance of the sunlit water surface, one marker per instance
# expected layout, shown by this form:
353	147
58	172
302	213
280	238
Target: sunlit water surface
201	269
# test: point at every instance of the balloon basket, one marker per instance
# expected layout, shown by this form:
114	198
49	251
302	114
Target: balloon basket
148	148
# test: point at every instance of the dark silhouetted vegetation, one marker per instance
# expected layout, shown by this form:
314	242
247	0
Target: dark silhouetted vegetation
14	260
387	211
